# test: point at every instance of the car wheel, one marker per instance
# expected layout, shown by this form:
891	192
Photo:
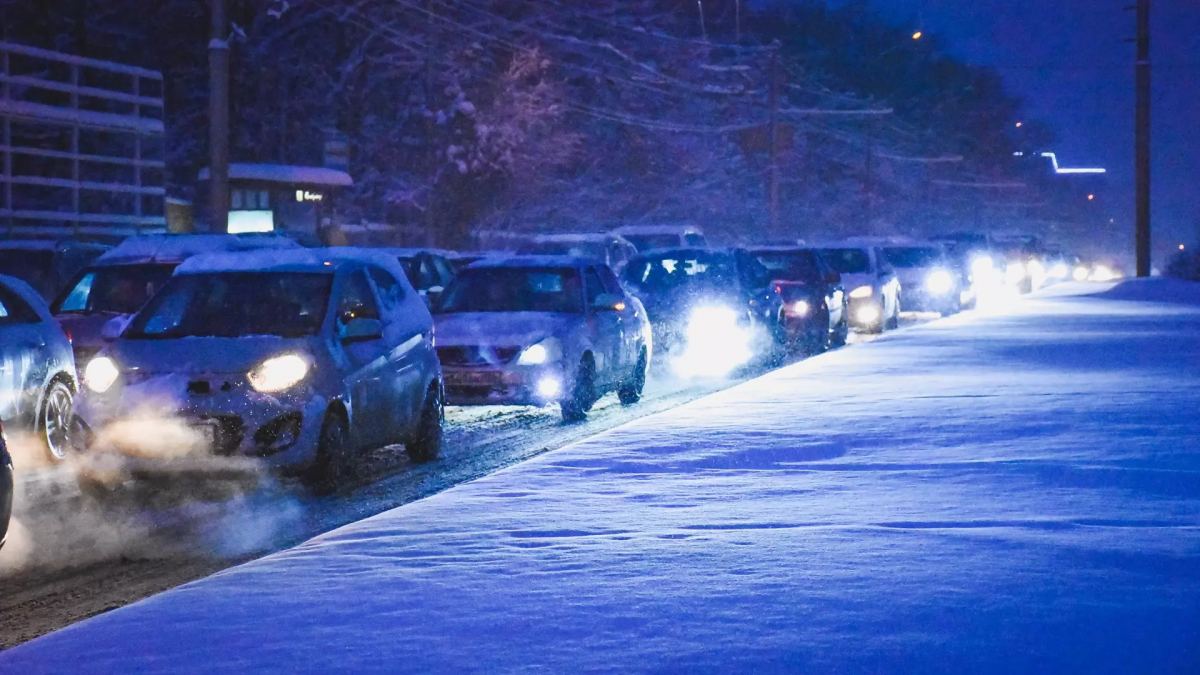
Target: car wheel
583	396
56	419
894	321
428	442
842	332
631	391
329	470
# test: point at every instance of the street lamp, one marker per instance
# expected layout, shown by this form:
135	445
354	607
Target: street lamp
917	35
1091	197
1019	124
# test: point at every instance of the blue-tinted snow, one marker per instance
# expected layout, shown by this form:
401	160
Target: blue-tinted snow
999	493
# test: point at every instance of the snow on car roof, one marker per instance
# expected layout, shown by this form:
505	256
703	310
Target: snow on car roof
589	238
533	261
402	252
179	247
290	260
658	229
26	292
682	251
285	173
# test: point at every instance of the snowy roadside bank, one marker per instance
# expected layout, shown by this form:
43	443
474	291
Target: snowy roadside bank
1013	492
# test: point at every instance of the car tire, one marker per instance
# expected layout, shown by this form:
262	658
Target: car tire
329	470
583	396
427	444
56	419
893	321
842	332
631	391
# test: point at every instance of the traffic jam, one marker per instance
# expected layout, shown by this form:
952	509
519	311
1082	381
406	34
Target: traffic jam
251	354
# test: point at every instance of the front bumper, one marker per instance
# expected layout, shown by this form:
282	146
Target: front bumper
214	416
504	385
923	301
866	312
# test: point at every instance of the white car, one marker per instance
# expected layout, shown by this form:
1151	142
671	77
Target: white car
870	282
298	359
611	249
928	280
649	238
536	330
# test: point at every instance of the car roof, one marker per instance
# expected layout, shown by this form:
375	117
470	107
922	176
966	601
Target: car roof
47	244
517	261
684	250
327	260
779	248
658	229
589	238
403	252
179	247
26	293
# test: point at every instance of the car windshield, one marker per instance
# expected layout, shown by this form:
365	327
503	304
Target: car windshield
578	249
650	242
35	268
236	304
120	289
791	265
912	256
848	260
672	271
514	289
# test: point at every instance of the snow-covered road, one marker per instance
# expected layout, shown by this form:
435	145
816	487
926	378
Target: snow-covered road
1013	492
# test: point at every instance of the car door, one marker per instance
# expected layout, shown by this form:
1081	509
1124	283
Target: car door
606	330
406	346
889	286
368	372
24	357
630	324
831	282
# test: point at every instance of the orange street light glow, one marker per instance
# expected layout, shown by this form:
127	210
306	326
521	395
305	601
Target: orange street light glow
1091	197
917	35
1019	124
1181	247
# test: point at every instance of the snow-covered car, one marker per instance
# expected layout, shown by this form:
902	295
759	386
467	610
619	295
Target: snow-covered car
535	330
870	282
300	359
815	307
929	281
37	370
119	282
47	264
650	238
428	270
713	311
611	249
6	487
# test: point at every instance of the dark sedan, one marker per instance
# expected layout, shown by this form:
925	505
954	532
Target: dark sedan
815	310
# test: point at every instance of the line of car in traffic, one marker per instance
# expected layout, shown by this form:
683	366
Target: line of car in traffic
300	359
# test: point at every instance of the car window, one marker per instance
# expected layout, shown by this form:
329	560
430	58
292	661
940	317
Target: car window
595	287
14	309
444	271
391	292
514	289
693	239
120	289
357	300
881	262
753	274
611	284
848	260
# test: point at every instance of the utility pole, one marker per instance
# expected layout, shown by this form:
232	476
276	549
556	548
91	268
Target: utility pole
218	118
773	152
1142	139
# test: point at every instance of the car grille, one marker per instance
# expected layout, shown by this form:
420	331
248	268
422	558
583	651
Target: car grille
229	430
477	355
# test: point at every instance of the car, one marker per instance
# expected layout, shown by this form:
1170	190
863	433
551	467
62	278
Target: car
45	264
539	330
713	311
929	281
611	249
649	238
119	282
428	270
300	360
873	288
6	487
37	369
815	307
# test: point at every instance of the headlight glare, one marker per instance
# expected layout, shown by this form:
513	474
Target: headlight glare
800	308
278	373
862	292
546	351
100	374
939	282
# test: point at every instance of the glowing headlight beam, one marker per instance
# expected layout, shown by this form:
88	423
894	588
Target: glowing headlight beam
100	374
278	373
862	292
534	356
939	282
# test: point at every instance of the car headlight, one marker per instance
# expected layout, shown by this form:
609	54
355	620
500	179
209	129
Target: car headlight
100	374
862	292
1103	273
1060	271
800	308
939	282
1015	273
278	373
708	322
982	266
546	351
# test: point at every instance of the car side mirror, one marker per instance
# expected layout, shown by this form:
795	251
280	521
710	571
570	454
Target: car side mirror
113	328
609	302
361	330
833	278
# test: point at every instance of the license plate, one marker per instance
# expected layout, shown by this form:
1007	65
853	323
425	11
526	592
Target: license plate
481	379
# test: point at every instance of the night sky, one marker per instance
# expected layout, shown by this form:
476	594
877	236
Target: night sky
1068	60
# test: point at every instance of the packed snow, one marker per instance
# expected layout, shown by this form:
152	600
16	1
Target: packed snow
1004	491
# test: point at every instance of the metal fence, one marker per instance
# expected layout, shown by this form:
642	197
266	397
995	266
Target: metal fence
82	146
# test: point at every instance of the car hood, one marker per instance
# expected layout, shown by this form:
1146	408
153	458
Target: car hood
853	281
200	354
500	328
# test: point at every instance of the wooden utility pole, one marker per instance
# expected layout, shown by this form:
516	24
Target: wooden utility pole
218	118
1142	139
773	152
